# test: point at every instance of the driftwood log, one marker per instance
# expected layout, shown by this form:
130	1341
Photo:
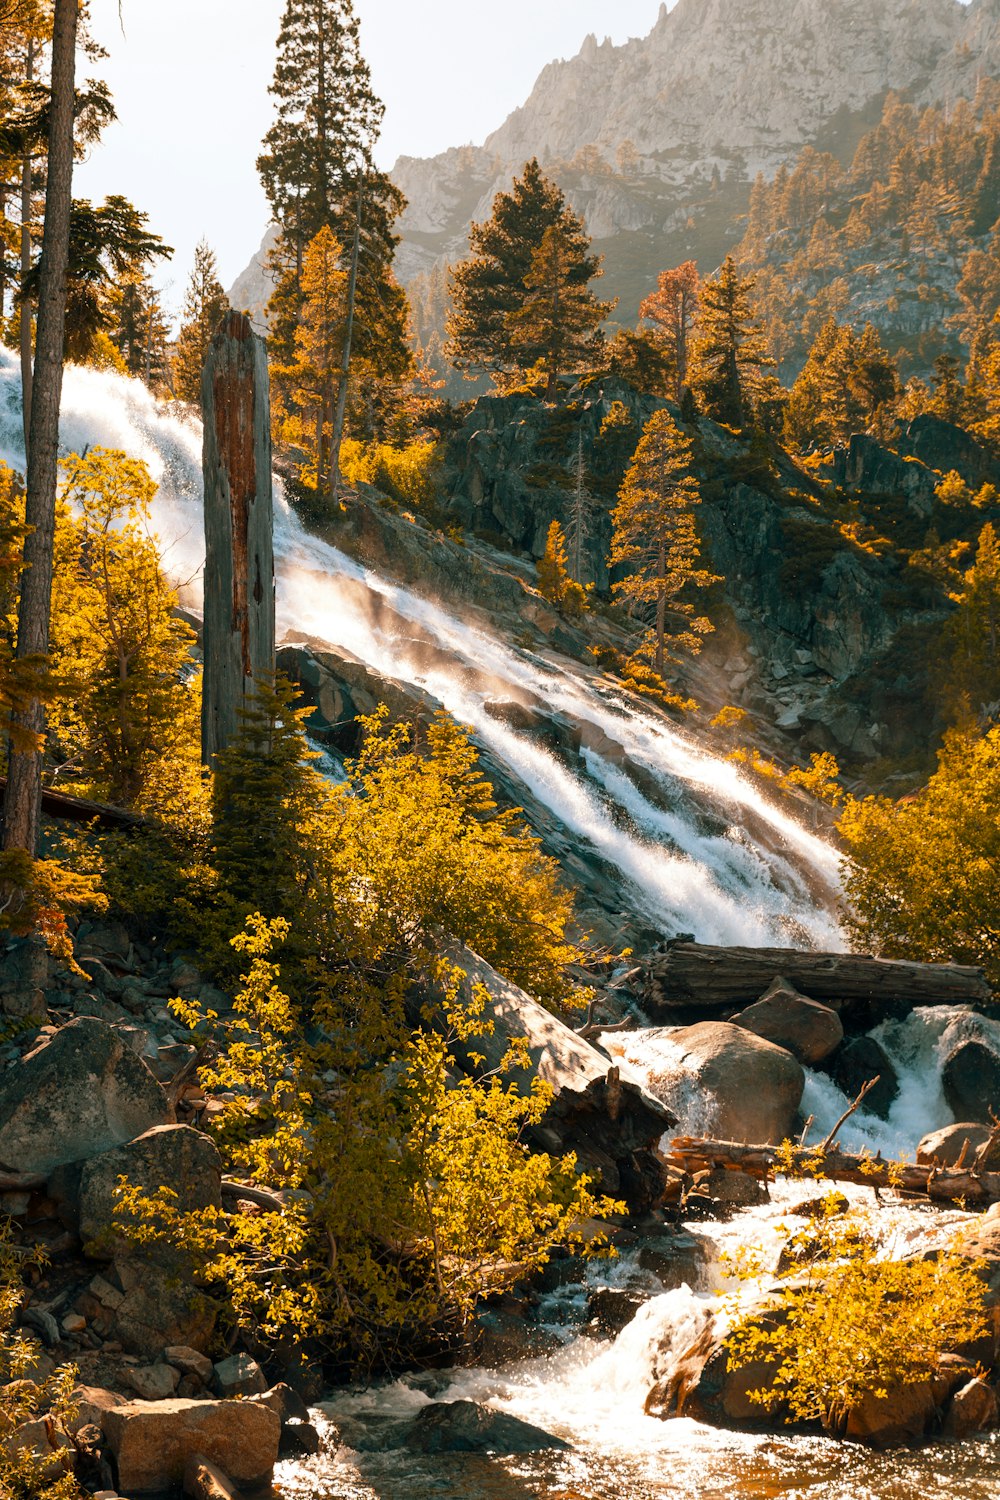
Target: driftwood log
939	1184
239	556
690	981
612	1124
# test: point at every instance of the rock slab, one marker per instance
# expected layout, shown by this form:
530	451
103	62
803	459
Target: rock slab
152	1441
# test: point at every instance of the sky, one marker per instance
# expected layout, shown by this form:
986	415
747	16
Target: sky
190	82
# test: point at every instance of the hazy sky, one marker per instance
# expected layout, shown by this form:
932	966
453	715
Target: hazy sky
190	85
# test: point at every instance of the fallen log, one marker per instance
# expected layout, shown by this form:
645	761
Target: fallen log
687	981
80	810
939	1184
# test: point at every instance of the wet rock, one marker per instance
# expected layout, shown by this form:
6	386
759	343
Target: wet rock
173	1156
947	1146
892	1420
610	1309
855	1063
287	1404
702	1385
467	1427
752	1089
735	1189
152	1441
299	1440
505	1336
239	1375
83	1091
803	1027
974	1408
970	1078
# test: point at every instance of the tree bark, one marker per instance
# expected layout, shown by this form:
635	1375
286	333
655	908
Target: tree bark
239	524
688	979
940	1184
337	435
25	339
24	785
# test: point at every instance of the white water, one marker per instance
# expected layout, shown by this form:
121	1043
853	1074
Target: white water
673	873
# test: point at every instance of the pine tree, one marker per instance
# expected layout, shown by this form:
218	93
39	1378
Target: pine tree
489	289
553	573
730	351
556	327
655	540
140	332
673	308
973	631
949	396
318	171
318	342
205	304
578	516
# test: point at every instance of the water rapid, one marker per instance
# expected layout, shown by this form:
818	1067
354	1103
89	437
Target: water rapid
710	855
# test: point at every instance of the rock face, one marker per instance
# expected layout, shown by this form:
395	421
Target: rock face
803	1027
971	1081
752	1088
81	1092
152	1441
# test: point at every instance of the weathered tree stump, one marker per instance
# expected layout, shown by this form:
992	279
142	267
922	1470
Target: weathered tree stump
239	522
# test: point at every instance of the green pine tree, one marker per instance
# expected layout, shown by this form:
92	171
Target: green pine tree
205	304
730	352
556	327
489	289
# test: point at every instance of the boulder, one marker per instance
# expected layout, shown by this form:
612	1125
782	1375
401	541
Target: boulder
702	1385
974	1408
946	1146
970	1078
154	1382
189	1362
48	1443
152	1441
24	973
160	1305
286	1403
803	1027
890	1421
83	1091
173	1156
299	1440
752	1089
467	1427
91	1404
239	1375
858	1060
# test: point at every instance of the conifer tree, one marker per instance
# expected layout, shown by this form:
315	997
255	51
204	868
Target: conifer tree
730	352
673	308
974	630
553	573
319	342
556	327
205	303
489	289
656	541
140	332
578	515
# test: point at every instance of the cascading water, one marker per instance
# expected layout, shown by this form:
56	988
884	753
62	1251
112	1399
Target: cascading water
710	855
673	873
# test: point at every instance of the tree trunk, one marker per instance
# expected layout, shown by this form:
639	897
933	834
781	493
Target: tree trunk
940	1184
661	609
239	557
687	980
26	350
337	436
24	784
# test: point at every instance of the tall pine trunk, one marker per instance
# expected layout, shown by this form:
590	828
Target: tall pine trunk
661	607
337	436
26	351
24	783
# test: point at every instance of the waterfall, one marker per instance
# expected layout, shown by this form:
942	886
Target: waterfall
756	875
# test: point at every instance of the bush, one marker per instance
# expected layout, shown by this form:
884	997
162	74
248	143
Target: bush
852	1323
410	475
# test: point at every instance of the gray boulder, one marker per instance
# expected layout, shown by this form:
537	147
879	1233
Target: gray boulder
806	1029
467	1427
858	1061
971	1081
24	973
751	1090
83	1091
173	1156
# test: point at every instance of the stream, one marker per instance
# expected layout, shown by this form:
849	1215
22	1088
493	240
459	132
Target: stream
693	846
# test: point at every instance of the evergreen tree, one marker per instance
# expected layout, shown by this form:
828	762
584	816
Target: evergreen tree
140	332
973	632
673	308
317	170
556	327
730	352
319	341
578	515
655	540
205	304
490	289
949	395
